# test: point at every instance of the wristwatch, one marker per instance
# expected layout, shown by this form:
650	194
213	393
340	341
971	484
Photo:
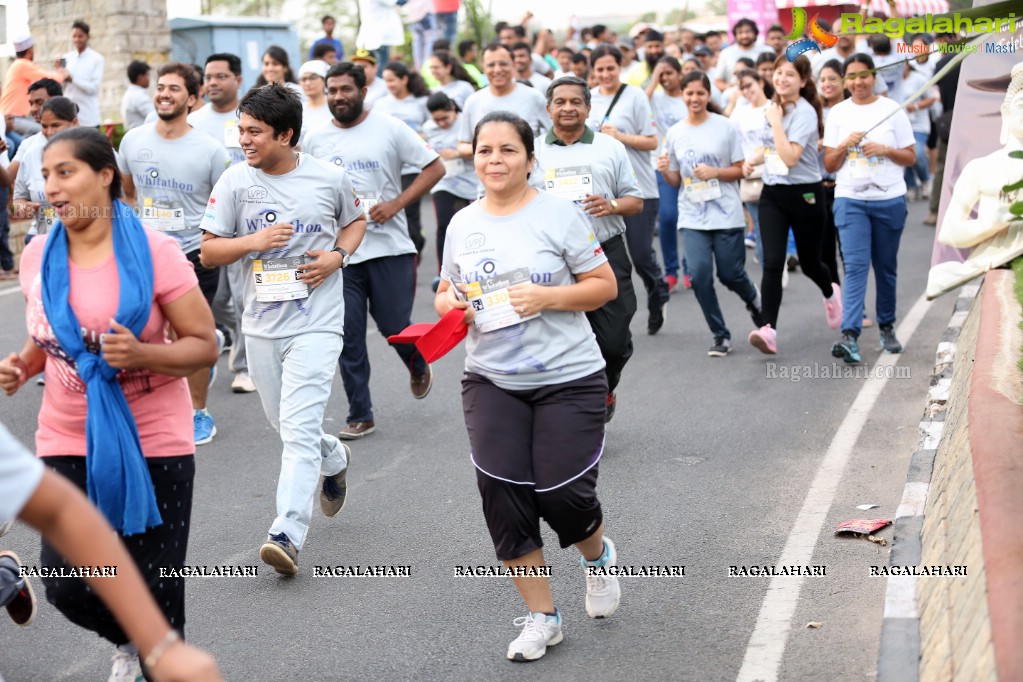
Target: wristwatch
614	206
345	256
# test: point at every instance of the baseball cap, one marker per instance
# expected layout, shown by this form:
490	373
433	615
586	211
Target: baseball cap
364	55
703	51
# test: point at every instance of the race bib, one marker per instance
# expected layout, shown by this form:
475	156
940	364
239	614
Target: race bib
453	167
232	136
572	183
701	191
277	279
863	167
368	201
773	163
166	216
489	298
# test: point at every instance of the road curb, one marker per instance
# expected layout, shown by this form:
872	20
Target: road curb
899	654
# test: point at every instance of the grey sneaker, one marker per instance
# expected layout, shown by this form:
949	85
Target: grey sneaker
889	342
280	554
847	349
334	489
722	345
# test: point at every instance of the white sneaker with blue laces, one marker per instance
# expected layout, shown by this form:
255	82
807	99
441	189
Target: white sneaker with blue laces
539	631
603	593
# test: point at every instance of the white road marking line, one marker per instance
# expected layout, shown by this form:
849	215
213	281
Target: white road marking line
8	292
900	597
766	647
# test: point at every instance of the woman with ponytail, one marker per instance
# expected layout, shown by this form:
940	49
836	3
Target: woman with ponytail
116	417
792	196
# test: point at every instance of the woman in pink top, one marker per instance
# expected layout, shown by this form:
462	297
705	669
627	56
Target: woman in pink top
130	445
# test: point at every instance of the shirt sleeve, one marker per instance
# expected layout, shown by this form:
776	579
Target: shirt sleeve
413	149
349	208
464	129
734	144
220	217
903	130
581	250
173	275
803	128
20	474
831	131
21	184
122	157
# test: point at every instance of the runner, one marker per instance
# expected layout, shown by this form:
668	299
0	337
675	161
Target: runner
219	119
169	171
58	113
533	391
745	32
870	199
375	87
832	91
623	112
522	54
64	518
101	293
373	147
457	189
593	170
312	77
454	79
38	92
406	101
751	122
703	154
792	196
293	222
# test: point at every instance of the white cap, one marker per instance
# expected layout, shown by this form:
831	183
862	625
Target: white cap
23	42
317	67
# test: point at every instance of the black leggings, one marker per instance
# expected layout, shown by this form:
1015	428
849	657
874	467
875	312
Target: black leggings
161	547
829	240
445	206
800	207
415	225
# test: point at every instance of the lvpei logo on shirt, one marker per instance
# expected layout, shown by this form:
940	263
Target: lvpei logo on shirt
818	37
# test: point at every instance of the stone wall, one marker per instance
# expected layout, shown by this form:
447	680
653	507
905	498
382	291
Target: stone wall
120	30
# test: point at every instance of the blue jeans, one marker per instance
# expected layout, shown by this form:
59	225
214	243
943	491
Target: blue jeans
921	169
726	249
293	376
667	224
869	233
447	24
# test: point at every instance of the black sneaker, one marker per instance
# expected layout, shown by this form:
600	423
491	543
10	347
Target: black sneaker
888	340
756	310
609	408
792	262
847	349
279	553
722	346
22	608
656	319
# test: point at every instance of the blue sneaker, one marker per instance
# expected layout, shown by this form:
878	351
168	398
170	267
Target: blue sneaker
205	429
847	349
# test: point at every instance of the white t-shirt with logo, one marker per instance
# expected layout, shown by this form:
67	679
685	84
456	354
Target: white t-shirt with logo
318	199
373	153
631	115
173	179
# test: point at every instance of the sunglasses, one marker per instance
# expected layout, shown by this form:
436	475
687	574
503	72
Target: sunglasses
859	74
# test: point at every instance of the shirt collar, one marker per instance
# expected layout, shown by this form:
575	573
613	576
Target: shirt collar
587	137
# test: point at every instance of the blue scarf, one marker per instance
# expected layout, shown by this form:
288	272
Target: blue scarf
117	478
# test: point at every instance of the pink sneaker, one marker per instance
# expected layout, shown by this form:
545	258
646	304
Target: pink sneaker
833	307
764	340
672	281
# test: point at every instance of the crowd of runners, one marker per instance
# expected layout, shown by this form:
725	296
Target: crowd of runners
272	220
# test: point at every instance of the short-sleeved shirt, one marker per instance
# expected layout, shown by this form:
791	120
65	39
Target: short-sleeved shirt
920	119
30	185
599	159
374	153
409	110
550	237
20	474
222	126
800	124
374	91
885	179
314	119
523	101
25	148
316	198
716	143
21	74
667	112
731	55
458	91
459	175
161	404
135	106
632	115
753	128
173	177
540	83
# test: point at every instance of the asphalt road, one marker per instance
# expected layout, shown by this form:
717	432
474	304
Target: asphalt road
708	463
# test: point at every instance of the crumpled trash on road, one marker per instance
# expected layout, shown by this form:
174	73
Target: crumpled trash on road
863	528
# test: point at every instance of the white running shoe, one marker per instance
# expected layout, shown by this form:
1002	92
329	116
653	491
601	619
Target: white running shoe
603	593
126	666
539	631
242	383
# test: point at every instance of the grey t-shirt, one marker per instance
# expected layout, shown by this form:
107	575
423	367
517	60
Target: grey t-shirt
30	185
20	474
411	111
317	198
631	115
602	166
716	143
460	177
173	179
373	153
523	101
551	238
800	124
458	91
222	126
667	112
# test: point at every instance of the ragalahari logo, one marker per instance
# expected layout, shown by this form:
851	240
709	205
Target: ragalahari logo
818	37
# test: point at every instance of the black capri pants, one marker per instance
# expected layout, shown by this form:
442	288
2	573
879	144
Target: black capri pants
536	453
161	547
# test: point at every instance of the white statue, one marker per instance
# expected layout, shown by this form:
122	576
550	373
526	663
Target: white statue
994	237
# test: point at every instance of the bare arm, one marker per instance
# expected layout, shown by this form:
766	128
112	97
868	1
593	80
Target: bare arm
128	184
590	291
17	368
629	205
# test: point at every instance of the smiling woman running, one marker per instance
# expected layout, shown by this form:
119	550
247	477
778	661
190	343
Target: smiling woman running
534	387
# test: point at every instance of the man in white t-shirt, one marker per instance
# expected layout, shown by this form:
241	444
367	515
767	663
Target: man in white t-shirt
293	223
745	45
373	147
84	74
136	103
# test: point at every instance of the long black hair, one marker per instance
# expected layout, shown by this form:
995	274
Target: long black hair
91	147
458	71
416	84
278	54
